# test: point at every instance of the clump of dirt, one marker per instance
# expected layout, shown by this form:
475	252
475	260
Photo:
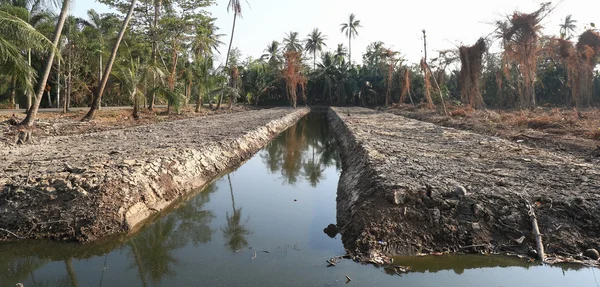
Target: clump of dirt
411	187
88	186
564	130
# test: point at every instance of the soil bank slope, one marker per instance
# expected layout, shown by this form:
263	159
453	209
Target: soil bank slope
409	186
88	186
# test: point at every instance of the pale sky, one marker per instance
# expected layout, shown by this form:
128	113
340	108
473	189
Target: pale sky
396	23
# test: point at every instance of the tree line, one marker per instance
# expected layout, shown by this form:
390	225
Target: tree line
163	51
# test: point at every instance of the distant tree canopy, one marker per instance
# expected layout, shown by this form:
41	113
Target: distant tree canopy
169	56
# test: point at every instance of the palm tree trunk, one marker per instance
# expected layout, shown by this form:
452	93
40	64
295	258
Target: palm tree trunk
350	48
58	85
13	93
32	112
49	94
28	93
100	73
227	58
315	60
67	99
157	6
98	96
136	104
199	99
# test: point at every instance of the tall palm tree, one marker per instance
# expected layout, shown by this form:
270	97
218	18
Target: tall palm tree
205	40
33	14
98	96
327	72
18	35
291	42
350	30
272	55
41	84
340	53
315	43
99	27
236	6
567	29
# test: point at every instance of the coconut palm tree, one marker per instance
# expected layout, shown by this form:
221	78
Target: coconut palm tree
236	6
292	43
17	36
205	40
567	29
41	84
131	80
340	53
327	72
272	55
350	30
315	43
98	96
99	27
32	12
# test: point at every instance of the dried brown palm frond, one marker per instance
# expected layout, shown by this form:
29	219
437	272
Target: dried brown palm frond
427	80
294	77
520	35
471	59
405	80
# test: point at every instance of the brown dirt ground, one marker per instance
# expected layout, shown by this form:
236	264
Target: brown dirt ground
397	193
559	129
58	124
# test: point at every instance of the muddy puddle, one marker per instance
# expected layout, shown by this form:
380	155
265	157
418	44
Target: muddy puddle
260	225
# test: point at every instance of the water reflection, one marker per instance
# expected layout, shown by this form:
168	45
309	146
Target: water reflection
235	231
278	202
152	249
18	269
303	152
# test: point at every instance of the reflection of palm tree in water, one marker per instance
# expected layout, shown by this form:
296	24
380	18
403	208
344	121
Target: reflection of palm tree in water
71	272
235	232
288	153
152	250
295	145
312	168
19	269
194	221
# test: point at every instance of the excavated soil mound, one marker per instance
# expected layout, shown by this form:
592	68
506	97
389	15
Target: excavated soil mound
88	186
410	187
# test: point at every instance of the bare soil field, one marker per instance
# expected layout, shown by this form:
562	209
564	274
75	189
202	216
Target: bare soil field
565	130
410	187
58	124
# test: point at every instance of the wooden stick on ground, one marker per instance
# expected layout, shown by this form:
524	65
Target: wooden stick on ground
536	232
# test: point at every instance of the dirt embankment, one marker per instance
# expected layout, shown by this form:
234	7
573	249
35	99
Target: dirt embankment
88	186
571	131
410	187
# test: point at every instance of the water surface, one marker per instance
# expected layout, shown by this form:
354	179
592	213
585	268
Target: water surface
260	225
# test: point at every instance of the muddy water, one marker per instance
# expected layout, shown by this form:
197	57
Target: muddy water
260	225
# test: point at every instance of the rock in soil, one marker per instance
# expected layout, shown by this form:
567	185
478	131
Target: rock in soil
331	230
592	253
